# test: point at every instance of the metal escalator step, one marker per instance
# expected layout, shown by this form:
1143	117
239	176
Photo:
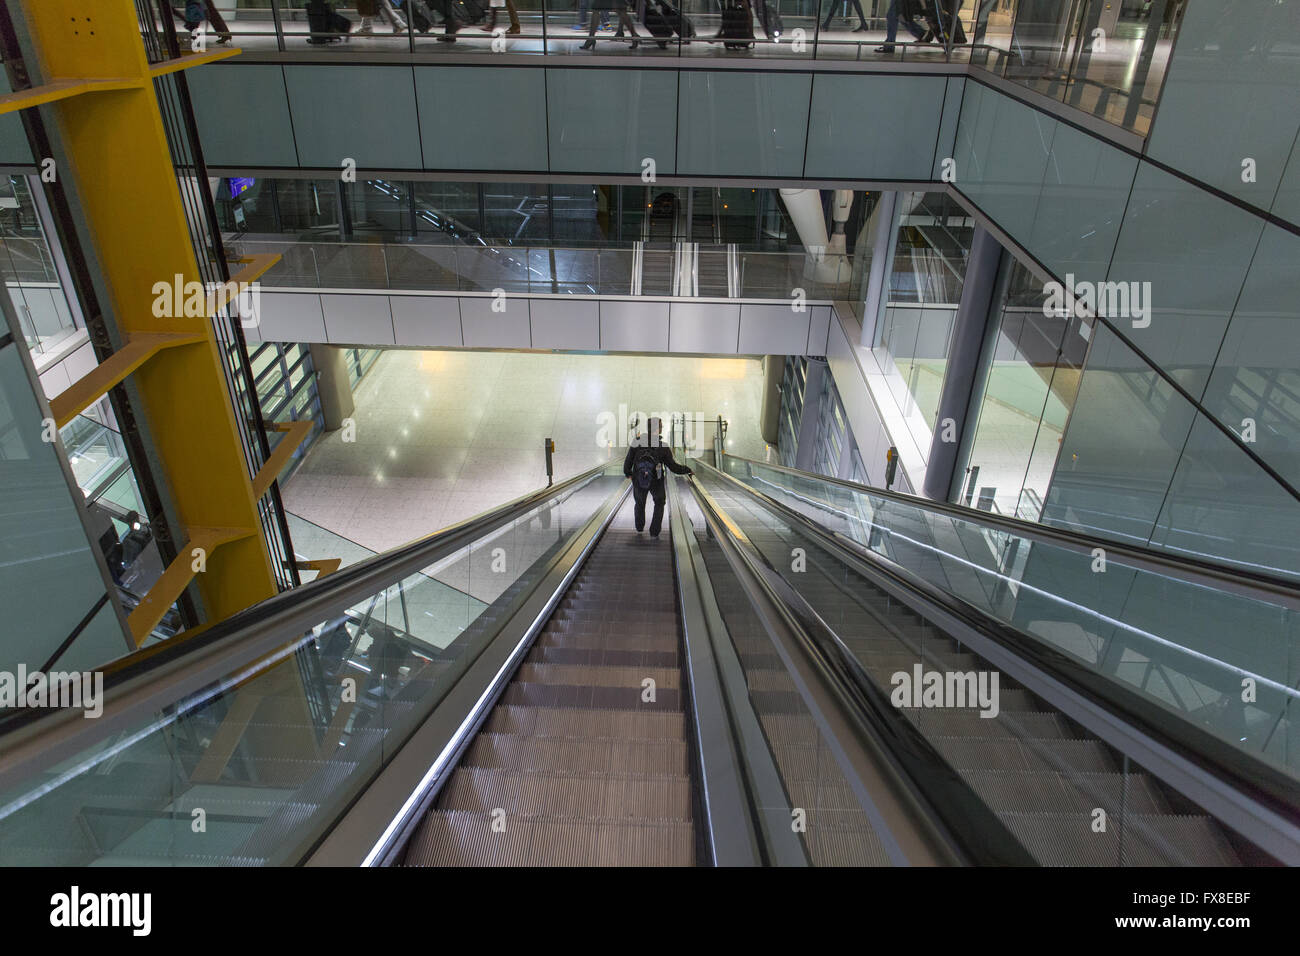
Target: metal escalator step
664	642
895	662
1009	753
625	678
958	723
1032	791
579	755
586	722
459	838
575	796
789	728
1068	839
829	846
777	702
580	696
543	653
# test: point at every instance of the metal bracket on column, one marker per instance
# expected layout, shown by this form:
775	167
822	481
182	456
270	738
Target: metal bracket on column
154	605
297	433
139	348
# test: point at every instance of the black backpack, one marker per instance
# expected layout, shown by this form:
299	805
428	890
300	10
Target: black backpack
645	470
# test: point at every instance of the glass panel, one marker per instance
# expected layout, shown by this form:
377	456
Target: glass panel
1175	639
1030	384
305	735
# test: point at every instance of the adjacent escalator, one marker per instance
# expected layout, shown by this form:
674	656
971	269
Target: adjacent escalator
1068	796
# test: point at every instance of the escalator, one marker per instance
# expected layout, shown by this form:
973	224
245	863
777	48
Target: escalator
539	685
589	766
868	559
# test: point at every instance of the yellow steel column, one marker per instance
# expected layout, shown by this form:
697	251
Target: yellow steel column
117	159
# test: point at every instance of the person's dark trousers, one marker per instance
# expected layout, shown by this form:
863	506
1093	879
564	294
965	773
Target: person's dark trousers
657	517
891	24
862	18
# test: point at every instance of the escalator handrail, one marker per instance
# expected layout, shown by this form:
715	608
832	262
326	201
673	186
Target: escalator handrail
162	674
1261	792
1239	581
740	784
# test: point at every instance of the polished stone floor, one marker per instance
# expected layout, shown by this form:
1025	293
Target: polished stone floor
444	435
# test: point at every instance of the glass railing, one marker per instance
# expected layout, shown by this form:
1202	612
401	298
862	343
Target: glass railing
96	453
702	28
1208	646
1056	48
1101	56
268	756
540	270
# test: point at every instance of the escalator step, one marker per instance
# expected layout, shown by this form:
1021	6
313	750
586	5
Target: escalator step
1029	791
597	698
459	838
664	641
1068	839
1008	753
585	722
962	723
582	797
623	678
545	653
579	755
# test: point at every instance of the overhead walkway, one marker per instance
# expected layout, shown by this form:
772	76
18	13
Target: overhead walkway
539	685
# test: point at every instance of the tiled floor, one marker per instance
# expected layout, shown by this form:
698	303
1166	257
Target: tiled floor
444	435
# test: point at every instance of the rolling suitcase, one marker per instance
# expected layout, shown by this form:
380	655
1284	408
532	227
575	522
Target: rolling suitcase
737	25
654	20
326	25
677	20
663	21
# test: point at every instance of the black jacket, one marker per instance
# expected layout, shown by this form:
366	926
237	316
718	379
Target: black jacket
661	453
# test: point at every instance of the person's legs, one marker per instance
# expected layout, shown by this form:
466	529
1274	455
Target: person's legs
638	511
514	18
591	45
657	519
862	17
891	22
218	24
625	23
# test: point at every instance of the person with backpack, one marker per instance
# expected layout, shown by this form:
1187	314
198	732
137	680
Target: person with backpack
196	11
645	463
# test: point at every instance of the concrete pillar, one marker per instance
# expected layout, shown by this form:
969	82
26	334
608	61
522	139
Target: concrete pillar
332	384
882	231
970	327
